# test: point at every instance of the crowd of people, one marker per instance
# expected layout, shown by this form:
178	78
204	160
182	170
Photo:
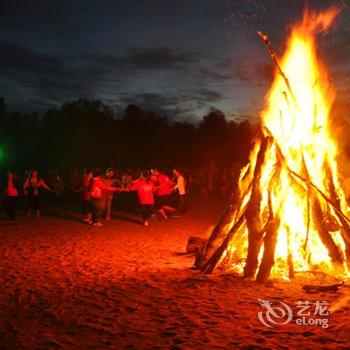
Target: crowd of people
154	191
150	192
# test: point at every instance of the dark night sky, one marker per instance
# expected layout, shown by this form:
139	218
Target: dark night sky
180	57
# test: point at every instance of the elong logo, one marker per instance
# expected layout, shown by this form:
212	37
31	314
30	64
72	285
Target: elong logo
278	313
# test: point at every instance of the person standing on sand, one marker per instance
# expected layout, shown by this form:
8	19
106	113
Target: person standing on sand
86	189
127	199
59	188
164	191
32	187
96	193
145	193
11	195
107	196
180	190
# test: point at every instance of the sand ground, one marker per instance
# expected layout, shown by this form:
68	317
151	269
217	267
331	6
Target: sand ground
65	285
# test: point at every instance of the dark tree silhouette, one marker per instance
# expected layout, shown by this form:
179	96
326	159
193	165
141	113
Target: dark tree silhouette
84	133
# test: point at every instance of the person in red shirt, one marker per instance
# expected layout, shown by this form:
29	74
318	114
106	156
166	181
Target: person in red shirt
145	192
164	189
96	193
11	195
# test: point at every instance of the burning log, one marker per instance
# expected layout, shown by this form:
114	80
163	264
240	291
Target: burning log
218	234
334	251
345	230
269	252
210	264
221	230
308	198
337	211
266	41
270	238
254	224
290	262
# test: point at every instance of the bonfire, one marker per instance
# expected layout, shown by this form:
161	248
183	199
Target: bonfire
291	212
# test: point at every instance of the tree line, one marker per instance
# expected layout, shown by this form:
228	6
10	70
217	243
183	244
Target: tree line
85	133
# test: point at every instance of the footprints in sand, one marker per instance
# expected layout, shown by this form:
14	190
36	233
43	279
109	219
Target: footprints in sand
80	289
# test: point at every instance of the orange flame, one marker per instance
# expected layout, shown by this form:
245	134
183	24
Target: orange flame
297	117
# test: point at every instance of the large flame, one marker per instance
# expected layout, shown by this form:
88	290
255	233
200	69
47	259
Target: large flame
296	116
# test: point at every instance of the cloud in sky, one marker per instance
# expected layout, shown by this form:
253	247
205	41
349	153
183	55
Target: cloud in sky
180	58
